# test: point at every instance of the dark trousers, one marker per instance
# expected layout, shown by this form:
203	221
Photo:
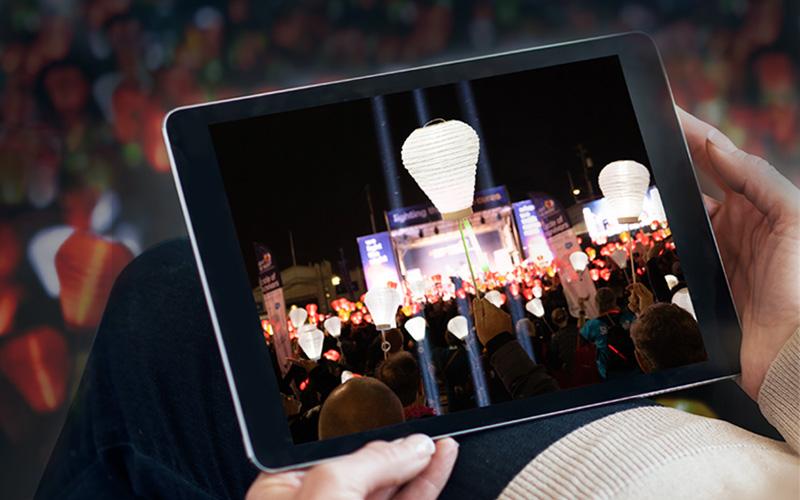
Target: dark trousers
153	416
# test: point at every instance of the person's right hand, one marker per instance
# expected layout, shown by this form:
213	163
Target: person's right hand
757	228
640	298
490	321
410	468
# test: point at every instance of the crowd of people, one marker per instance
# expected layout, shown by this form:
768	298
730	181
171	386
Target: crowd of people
358	384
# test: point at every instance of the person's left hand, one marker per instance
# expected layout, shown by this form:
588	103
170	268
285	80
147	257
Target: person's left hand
410	468
490	321
640	298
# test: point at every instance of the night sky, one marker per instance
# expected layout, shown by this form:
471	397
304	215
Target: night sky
307	170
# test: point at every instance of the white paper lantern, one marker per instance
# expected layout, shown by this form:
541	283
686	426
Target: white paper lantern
684	301
620	258
310	339
442	157
537	292
579	261
333	326
417	288
347	375
298	316
495	297
459	327
382	304
624	184
535	307
671	280
416	328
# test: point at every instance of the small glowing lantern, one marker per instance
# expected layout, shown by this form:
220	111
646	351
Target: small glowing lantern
442	158
298	316
579	261
347	375
672	280
333	326
459	327
495	297
624	184
416	328
383	304
537	291
310	339
684	301
535	307
620	258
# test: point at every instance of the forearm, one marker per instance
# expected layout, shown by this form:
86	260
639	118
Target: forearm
521	377
779	396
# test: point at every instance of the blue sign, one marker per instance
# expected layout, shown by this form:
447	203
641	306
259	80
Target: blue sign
420	214
550	214
534	245
378	260
269	278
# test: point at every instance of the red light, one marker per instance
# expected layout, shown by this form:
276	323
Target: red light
10	250
265	325
304	384
594	273
605	274
332	355
514	288
9	300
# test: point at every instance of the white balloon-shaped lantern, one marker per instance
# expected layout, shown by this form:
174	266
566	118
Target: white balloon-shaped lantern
310	339
298	316
671	280
682	299
459	327
537	292
624	184
416	328
442	158
346	375
333	326
535	307
383	304
620	258
495	297
579	261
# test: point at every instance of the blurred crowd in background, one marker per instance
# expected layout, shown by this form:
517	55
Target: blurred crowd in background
84	86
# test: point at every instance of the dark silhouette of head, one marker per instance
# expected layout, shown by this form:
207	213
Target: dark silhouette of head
559	317
606	299
666	336
401	373
358	405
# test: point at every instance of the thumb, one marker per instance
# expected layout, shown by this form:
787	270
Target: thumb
754	178
376	466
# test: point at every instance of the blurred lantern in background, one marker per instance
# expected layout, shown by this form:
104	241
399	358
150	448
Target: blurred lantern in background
10	250
624	184
333	326
579	261
38	365
383	304
10	296
416	328
310	339
495	297
620	258
671	280
297	316
459	327
535	307
682	299
87	266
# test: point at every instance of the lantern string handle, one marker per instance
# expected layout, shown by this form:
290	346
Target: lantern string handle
633	265
461	225
435	120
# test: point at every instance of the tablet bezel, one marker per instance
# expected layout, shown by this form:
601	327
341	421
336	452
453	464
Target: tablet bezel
226	286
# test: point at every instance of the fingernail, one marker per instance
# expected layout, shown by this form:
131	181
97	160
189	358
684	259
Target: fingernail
422	444
721	141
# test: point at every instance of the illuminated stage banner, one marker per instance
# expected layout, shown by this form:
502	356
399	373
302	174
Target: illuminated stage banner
421	214
377	260
269	280
534	244
563	241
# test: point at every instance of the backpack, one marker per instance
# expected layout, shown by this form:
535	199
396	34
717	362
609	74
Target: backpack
620	345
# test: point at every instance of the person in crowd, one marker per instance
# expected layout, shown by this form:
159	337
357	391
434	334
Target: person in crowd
359	405
561	354
177	436
610	334
520	375
401	373
666	336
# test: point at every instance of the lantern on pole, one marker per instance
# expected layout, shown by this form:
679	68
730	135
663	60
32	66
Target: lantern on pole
333	326
579	261
671	280
310	339
298	316
624	184
416	328
495	297
442	157
535	307
620	258
383	304
459	327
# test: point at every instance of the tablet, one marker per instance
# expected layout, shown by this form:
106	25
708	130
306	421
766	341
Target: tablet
342	230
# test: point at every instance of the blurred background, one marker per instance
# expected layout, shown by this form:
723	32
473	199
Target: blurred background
84	176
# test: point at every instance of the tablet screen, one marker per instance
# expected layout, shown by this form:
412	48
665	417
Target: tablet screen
368	227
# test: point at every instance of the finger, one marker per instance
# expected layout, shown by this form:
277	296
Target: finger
712	205
696	131
275	486
432	480
753	177
376	466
